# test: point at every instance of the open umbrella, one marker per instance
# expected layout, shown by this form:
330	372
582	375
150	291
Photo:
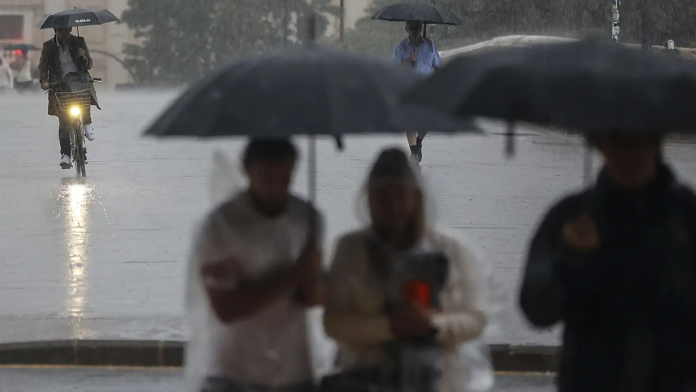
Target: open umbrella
417	10
303	92
22	46
586	86
76	17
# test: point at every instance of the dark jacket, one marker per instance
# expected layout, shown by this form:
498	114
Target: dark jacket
628	307
49	66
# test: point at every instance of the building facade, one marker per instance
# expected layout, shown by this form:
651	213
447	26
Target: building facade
18	19
353	10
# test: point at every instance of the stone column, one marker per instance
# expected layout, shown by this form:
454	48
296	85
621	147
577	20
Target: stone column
50	7
117	36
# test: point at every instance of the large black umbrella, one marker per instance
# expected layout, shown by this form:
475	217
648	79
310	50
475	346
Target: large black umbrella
303	92
76	17
586	86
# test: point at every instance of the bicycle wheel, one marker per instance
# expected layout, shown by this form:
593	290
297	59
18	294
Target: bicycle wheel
79	150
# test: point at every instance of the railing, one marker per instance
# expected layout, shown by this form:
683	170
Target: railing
528	40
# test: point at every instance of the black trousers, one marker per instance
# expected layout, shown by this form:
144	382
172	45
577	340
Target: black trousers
65	123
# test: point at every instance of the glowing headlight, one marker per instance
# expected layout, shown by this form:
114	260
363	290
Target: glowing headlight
75	111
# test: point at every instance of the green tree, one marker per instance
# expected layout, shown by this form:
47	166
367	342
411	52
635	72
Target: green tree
183	40
484	19
378	38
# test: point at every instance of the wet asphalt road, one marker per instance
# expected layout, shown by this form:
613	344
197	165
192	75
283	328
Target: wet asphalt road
106	258
111	380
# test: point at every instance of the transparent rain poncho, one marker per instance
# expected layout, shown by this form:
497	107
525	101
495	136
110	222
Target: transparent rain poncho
225	183
467	367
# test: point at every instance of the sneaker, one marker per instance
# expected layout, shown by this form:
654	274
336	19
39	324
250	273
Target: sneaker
416	154
65	162
89	132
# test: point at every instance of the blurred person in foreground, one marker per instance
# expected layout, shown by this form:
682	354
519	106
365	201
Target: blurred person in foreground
615	264
256	268
419	53
6	78
358	314
65	59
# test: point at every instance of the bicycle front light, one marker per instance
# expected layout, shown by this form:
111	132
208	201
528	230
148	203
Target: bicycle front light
75	111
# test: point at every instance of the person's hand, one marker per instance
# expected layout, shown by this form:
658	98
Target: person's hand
412	58
45	86
581	234
80	52
311	289
411	320
309	262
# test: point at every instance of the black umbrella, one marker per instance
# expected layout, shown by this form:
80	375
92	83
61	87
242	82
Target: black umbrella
23	47
76	17
303	92
417	10
587	86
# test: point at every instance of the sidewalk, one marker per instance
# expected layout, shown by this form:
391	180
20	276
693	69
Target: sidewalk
163	353
166	380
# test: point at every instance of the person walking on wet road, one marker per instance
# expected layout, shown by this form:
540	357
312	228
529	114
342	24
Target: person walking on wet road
615	264
420	53
256	269
65	57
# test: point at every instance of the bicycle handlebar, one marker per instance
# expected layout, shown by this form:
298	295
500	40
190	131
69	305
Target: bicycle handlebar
90	80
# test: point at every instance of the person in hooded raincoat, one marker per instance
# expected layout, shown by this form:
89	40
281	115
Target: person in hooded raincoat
255	271
615	264
357	312
6	77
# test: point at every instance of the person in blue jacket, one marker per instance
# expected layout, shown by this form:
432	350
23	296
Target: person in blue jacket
419	53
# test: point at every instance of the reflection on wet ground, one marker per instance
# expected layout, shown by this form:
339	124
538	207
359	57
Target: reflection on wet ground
105	258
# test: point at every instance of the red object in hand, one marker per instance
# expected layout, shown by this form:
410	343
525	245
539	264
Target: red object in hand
417	292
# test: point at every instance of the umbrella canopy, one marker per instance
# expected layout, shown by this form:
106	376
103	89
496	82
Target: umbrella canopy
303	92
587	86
76	17
417	10
23	47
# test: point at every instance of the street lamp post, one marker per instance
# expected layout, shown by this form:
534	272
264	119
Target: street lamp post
615	28
342	21
286	23
647	27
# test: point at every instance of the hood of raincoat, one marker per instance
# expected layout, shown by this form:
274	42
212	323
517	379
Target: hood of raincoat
355	288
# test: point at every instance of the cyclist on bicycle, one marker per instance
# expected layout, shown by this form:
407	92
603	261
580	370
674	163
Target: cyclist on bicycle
65	58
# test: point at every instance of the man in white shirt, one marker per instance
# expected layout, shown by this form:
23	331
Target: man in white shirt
256	269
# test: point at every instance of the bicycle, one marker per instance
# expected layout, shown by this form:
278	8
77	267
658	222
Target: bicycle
74	99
